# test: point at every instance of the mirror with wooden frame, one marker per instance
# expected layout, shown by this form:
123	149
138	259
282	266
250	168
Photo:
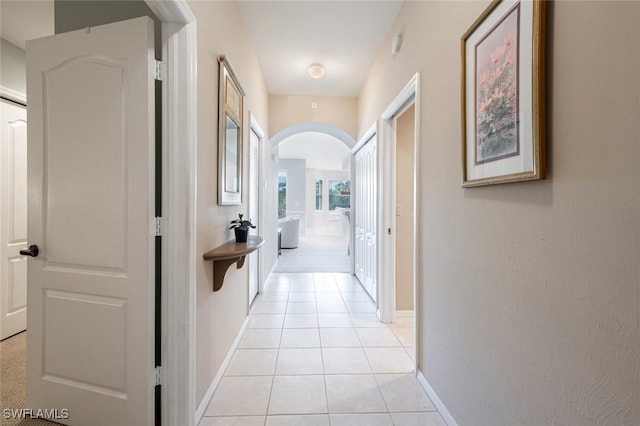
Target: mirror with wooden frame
230	134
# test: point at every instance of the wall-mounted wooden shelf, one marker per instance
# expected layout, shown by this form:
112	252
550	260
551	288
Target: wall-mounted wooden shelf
227	254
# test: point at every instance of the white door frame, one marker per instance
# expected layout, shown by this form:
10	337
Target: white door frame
18	98
17	320
257	129
387	226
13	95
179	48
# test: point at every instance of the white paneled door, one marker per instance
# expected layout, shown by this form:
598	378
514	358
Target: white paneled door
13	217
91	183
366	176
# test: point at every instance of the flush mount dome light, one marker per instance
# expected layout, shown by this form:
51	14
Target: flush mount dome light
316	71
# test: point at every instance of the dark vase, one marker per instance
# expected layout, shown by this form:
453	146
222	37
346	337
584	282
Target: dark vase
241	234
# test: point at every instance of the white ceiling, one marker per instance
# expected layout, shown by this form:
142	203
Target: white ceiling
288	36
344	36
322	152
25	20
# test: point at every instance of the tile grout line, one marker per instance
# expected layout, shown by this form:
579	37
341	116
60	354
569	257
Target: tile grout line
350	315
273	377
324	376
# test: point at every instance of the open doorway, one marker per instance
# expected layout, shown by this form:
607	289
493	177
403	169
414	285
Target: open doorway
404	323
398	270
314	204
175	16
21	21
405	212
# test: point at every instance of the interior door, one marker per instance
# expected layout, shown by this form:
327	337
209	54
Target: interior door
254	209
366	216
358	246
90	210
13	217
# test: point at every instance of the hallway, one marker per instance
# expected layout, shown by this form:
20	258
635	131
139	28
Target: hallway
314	353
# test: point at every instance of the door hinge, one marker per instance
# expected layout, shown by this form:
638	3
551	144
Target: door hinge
158	376
159	70
159	226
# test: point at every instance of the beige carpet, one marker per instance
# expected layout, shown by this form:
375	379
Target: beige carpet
316	253
13	378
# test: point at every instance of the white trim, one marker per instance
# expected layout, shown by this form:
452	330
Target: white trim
387	249
312	127
402	97
371	132
405	314
171	11
254	126
442	409
202	407
179	207
13	95
417	224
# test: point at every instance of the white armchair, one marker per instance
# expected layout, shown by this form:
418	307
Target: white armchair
290	231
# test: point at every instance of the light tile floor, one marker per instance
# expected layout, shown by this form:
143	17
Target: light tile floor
314	353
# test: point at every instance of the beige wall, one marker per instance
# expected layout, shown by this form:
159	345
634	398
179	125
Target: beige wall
220	315
530	291
405	137
286	111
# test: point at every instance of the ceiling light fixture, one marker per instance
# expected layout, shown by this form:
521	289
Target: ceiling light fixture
316	70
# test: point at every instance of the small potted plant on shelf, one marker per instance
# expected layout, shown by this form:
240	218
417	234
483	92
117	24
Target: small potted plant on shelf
241	228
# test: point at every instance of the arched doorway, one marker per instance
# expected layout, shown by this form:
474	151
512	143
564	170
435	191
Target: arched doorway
314	197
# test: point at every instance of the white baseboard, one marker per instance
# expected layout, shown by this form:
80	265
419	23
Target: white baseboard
267	282
446	415
405	313
216	380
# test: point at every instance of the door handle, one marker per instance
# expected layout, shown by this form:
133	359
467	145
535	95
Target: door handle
32	251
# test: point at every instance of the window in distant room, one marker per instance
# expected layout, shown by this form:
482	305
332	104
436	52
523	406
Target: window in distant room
282	196
339	194
318	194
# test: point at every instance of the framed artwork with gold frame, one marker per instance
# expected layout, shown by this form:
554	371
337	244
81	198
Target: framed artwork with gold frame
230	135
503	114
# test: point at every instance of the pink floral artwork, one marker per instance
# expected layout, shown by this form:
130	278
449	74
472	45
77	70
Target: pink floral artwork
496	91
